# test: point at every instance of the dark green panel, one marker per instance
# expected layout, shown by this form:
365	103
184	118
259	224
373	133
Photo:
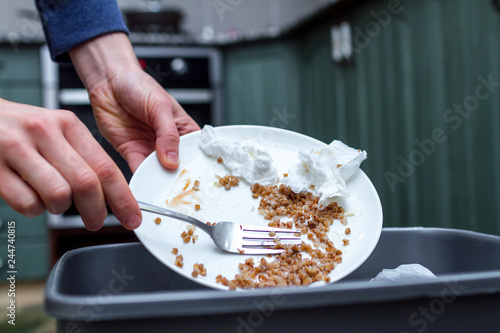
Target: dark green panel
426	60
30	96
20	62
410	80
25	226
3	203
20	82
30	238
31	259
262	85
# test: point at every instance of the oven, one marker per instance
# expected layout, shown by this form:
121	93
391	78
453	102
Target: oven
192	75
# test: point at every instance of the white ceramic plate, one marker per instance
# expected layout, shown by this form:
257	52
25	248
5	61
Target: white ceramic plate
154	184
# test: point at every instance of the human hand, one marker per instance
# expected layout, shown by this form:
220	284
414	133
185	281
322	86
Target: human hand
48	159
133	112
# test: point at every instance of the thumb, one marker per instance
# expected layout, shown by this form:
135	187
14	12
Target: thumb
167	138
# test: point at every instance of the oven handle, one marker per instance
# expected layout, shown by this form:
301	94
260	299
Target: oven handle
183	96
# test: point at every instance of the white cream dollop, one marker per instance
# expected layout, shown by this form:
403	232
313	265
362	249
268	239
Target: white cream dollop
325	172
245	159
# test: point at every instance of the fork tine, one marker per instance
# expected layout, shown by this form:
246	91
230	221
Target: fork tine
269	238
256	238
257	245
261	251
255	228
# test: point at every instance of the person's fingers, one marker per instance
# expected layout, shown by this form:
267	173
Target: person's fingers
113	183
29	183
50	158
52	188
116	191
85	185
167	135
19	195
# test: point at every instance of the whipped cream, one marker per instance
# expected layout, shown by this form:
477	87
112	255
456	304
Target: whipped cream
324	173
245	159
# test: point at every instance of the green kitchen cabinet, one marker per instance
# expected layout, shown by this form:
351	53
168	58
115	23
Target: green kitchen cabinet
19	63
31	96
30	240
262	85
20	74
20	81
421	95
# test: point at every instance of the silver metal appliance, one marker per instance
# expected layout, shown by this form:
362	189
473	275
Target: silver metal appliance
192	75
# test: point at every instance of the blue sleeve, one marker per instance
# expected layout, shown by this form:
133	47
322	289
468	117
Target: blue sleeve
68	23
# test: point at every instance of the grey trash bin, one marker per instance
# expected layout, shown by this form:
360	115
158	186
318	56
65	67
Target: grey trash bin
123	288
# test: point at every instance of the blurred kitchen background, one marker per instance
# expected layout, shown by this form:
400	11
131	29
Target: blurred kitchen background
414	83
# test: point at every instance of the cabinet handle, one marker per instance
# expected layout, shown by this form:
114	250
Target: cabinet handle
2	263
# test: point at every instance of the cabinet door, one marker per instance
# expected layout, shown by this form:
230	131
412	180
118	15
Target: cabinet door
19	63
25	226
31	252
31	259
262	86
31	96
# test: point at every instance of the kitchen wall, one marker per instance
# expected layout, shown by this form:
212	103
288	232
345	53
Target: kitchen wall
233	17
208	21
421	95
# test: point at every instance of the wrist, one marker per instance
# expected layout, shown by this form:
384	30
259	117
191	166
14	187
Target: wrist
98	59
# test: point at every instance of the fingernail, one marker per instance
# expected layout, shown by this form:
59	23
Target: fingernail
132	222
172	157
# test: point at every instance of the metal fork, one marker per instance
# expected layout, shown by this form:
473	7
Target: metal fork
231	236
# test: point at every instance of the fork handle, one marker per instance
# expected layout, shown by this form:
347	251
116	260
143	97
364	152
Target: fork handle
170	213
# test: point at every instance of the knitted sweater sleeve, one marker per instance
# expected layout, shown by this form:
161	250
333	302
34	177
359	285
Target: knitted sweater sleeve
68	23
